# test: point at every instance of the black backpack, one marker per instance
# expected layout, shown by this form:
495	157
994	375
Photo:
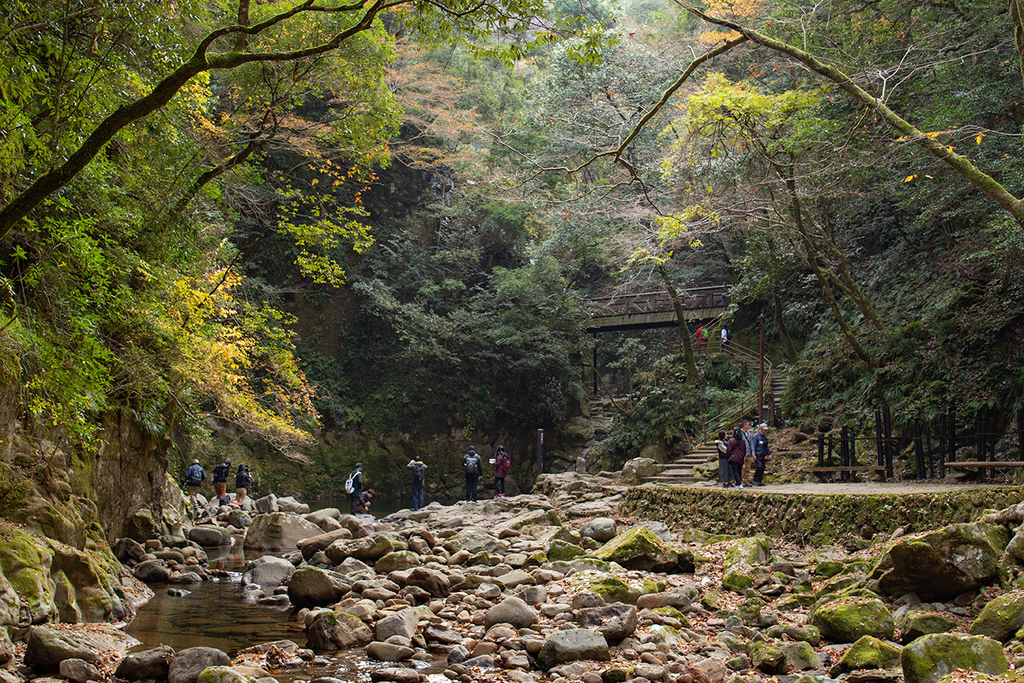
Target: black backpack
472	463
728	334
417	473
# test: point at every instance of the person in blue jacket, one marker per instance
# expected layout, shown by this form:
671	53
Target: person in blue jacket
761	453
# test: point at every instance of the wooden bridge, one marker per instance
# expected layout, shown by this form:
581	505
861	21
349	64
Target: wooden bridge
650	310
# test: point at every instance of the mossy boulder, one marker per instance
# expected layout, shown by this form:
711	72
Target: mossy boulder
614	589
673	613
931	657
737	581
638	548
847	619
1001	618
922	623
806	634
754	551
828	568
766	657
869	653
562	550
223	674
26	561
331	630
800	656
396	561
944	563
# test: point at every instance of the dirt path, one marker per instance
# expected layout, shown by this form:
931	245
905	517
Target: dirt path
856	488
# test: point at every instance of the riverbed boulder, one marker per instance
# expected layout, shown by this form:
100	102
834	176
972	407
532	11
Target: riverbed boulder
639	548
846	619
331	630
290	505
48	647
767	657
573	645
615	622
941	564
320	517
396	561
367	548
389	652
187	664
152	665
152	571
430	580
209	535
279	531
79	671
1001	618
223	674
266	504
920	623
639	468
269	571
314	544
315	587
600	529
931	657
474	541
512	611
869	653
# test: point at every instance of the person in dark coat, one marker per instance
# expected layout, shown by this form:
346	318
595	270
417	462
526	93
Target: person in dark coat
220	478
357	486
736	451
474	467
242	480
194	476
761	453
419	475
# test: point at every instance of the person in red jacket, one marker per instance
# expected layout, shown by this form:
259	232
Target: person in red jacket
502	464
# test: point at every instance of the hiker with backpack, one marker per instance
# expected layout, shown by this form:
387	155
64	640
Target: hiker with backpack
761	453
354	486
194	476
419	471
726	337
474	467
220	478
502	464
243	478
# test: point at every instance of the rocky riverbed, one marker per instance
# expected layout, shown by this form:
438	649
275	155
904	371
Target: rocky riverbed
559	587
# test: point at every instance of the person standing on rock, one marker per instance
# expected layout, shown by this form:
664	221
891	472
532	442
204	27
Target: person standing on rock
220	478
194	476
502	464
761	453
748	443
723	460
736	450
354	486
474	467
419	473
242	480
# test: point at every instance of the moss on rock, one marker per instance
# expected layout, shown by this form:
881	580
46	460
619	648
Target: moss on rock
931	657
614	589
869	653
737	581
847	619
1001	617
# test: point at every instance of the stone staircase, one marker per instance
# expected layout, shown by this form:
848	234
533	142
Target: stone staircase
680	470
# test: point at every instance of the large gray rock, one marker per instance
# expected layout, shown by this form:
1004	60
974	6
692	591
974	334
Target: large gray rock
315	587
430	580
318	517
209	535
388	652
931	657
279	531
639	548
80	671
152	571
602	529
314	544
151	664
330	631
511	611
639	468
572	645
943	563
615	622
48	647
367	548
267	504
292	506
845	620
474	541
395	625
269	571
190	662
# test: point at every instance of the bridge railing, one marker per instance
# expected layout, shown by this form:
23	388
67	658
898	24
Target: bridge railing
653	302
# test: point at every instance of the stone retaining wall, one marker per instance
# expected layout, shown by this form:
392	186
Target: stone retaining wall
813	518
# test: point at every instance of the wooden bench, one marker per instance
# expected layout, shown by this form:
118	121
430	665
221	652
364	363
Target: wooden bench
983	464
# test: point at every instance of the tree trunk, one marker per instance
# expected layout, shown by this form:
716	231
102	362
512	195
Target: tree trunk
787	341
812	261
688	355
